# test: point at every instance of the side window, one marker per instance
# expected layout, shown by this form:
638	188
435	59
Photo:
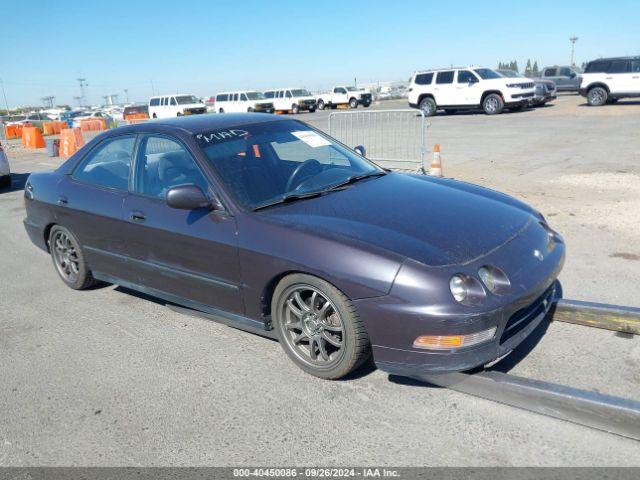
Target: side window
243	97
597	67
618	66
339	90
288	95
268	94
635	66
154	102
550	72
424	78
565	72
465	76
235	97
444	77
173	101
108	164
163	163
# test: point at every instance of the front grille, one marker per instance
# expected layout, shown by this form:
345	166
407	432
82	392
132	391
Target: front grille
366	96
519	320
526	85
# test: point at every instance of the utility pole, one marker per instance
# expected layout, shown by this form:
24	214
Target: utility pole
126	94
48	101
153	90
573	41
83	84
6	104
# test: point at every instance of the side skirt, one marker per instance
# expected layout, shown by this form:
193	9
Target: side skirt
195	309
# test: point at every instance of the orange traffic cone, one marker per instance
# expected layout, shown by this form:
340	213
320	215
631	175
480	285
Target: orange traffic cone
70	141
436	164
32	138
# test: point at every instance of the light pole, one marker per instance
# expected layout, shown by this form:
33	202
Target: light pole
126	93
6	104
573	48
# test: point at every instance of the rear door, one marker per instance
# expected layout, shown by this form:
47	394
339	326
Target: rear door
189	254
635	76
619	76
90	204
444	90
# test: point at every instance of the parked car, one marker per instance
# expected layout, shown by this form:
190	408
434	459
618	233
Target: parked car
92	115
272	226
168	106
344	95
35	119
609	79
5	170
243	101
565	77
136	109
544	90
292	100
454	89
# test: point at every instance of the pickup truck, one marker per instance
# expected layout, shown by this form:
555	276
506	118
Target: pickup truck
566	78
343	95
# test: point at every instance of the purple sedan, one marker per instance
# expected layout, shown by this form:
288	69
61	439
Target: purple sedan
274	227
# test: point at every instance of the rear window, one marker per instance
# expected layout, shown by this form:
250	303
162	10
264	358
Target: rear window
136	109
599	66
445	77
424	78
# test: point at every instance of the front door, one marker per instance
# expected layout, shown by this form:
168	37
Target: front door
339	95
468	87
189	254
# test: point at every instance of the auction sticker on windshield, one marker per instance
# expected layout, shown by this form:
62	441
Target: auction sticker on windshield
311	138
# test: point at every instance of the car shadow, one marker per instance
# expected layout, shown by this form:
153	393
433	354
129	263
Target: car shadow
18	181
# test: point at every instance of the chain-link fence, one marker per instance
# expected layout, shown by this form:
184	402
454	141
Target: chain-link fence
392	138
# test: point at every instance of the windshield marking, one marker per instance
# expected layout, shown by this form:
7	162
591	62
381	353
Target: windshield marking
222	135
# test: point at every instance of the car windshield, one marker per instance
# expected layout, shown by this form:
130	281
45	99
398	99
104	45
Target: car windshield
255	96
510	74
186	99
272	162
300	92
487	73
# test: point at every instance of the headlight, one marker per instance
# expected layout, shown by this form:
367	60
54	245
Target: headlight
494	279
466	289
513	85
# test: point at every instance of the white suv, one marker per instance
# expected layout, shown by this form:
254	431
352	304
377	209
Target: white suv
454	89
607	79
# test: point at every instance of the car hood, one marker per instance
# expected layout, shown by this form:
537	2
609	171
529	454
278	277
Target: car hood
434	221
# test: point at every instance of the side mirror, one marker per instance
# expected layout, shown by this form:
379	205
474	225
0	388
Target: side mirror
361	150
188	197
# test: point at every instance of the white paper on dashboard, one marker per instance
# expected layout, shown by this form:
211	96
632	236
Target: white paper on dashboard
311	138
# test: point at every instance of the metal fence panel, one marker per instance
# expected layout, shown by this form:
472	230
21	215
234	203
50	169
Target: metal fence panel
393	138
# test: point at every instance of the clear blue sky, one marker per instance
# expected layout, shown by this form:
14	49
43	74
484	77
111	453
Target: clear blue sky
204	47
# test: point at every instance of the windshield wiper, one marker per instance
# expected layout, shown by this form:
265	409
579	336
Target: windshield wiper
354	179
290	197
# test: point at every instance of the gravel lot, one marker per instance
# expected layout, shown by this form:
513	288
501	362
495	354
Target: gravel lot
105	377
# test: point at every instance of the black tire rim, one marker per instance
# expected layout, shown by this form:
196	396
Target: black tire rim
311	326
65	256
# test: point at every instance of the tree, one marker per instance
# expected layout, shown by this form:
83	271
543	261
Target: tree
515	66
527	69
535	71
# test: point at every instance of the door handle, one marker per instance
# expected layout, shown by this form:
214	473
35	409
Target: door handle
635	76
63	201
137	217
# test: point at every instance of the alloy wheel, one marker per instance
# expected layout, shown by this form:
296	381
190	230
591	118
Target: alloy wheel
66	257
313	328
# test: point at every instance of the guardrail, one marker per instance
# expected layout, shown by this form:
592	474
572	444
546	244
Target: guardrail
394	139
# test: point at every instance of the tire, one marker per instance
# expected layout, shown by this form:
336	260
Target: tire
353	103
450	111
366	105
493	104
428	106
519	108
338	349
221	110
5	181
295	109
311	110
597	96
611	101
321	105
155	116
68	259
178	114
250	110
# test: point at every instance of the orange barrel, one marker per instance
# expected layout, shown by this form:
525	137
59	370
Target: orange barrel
70	141
48	128
32	137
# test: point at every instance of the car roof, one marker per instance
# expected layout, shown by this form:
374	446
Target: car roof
174	95
202	123
237	91
473	67
607	59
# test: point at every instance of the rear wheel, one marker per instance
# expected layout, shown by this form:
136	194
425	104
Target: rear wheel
155	116
5	182
597	96
318	327
68	259
221	110
428	106
493	104
295	108
353	103
321	105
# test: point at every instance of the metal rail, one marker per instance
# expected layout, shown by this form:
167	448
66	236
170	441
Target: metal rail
599	315
596	410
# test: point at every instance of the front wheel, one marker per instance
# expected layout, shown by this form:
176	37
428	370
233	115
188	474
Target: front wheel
318	327
353	103
221	110
68	259
428	106
493	104
295	109
597	96
155	116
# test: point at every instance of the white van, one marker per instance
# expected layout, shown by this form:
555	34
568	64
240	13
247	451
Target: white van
167	106
244	101
292	100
